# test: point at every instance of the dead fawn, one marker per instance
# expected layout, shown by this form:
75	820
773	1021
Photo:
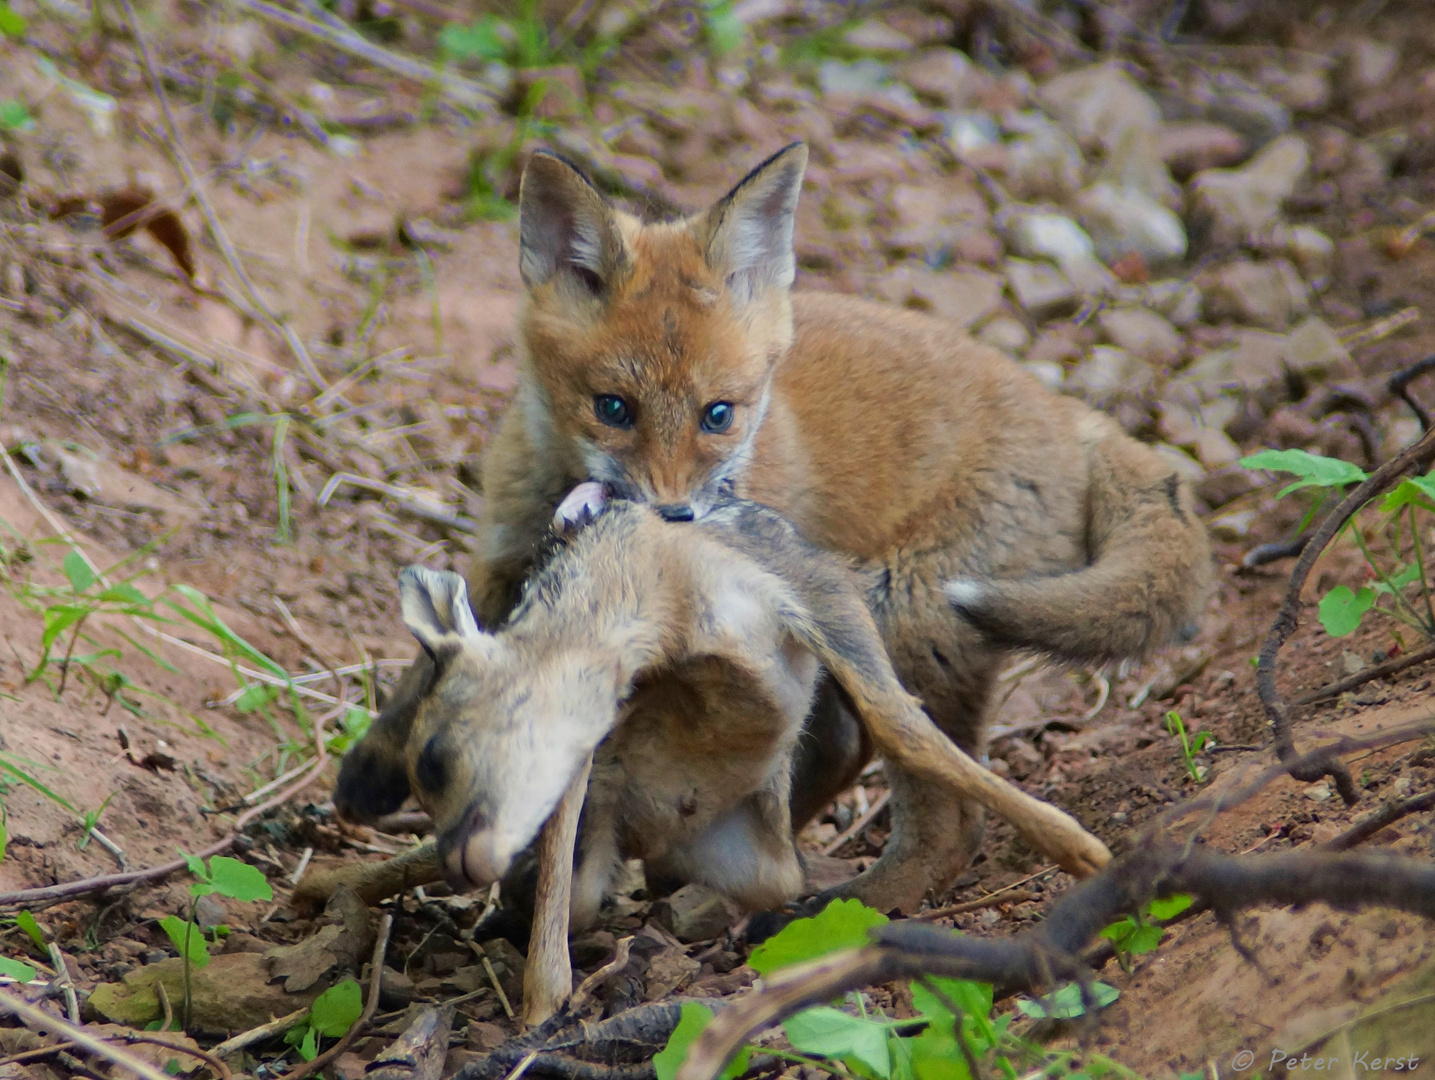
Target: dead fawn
674	362
685	662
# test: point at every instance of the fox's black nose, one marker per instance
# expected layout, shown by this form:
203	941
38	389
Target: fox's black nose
676	512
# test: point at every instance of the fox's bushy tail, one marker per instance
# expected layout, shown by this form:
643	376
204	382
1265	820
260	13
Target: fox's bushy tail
1148	579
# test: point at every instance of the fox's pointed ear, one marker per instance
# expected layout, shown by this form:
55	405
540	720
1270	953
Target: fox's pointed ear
435	608
566	226
749	230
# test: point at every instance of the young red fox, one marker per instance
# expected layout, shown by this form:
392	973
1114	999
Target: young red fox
672	362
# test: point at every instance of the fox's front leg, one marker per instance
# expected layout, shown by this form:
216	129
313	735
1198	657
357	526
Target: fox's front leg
521	487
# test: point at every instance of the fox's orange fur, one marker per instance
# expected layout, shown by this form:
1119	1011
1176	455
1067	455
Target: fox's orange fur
996	514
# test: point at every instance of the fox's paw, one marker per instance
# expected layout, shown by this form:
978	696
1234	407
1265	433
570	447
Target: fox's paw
579	508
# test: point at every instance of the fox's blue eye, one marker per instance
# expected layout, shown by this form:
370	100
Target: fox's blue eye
717	417
613	411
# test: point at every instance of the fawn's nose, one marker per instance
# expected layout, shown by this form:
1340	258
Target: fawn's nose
675	512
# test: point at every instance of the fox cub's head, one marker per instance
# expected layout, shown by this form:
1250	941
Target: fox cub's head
652	346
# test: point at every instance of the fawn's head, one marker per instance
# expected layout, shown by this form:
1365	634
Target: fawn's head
653	346
501	731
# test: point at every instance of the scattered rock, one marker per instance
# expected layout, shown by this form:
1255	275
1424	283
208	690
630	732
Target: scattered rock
1233	526
694	913
1267	294
670	970
1109	373
1313	253
1042	161
1312	350
1214	448
1051	375
1142	333
1178	300
1256	116
1194	146
873	36
508	964
209	912
396	989
1302	91
965	295
1136	164
1042	235
944	75
1097	104
482	1035
1041	289
1367	65
1005	333
821	872
1180	462
1231	205
1126	220
231	993
858	78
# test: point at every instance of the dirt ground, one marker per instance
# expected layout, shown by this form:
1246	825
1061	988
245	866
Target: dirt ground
165	427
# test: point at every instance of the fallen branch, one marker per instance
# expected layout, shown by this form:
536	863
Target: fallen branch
417	1054
32	1016
1379	671
1047	954
1288	619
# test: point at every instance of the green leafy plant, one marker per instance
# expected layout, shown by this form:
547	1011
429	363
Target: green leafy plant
333	1013
223	876
11	24
521	41
14	116
1141	933
724	31
1191	745
1397	585
842	924
17	969
955	1024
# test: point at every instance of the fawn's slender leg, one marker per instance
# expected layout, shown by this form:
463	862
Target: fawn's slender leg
548	975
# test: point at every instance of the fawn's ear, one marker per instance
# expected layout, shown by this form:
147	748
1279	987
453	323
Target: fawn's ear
565	226
436	610
747	234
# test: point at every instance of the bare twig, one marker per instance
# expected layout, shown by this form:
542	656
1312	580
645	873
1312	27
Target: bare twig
590	986
221	1070
1370	674
860	824
1388	814
1399	385
376	971
259	1034
497	986
67	984
34	1017
1289	618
